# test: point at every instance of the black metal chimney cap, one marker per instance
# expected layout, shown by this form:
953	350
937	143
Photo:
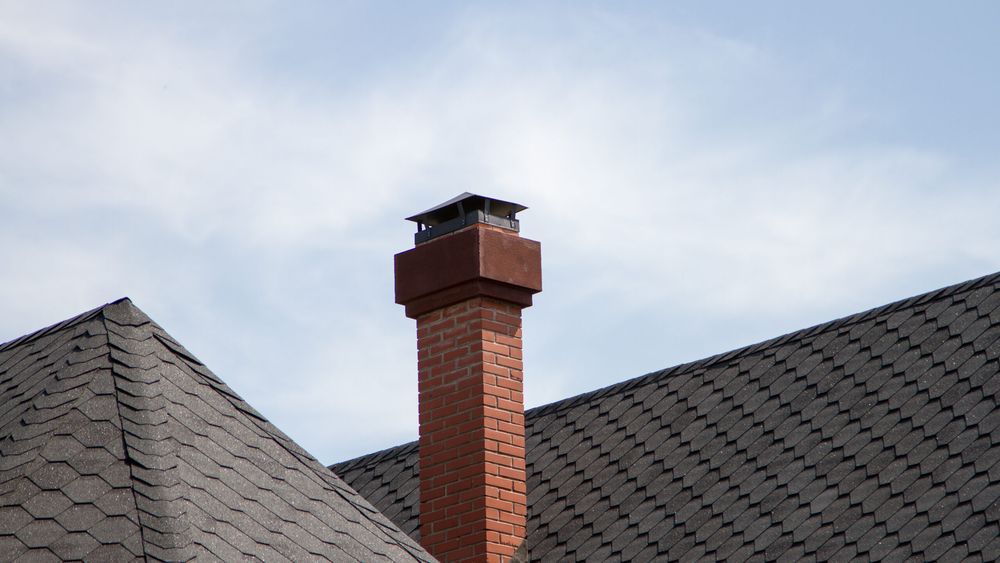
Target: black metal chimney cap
463	210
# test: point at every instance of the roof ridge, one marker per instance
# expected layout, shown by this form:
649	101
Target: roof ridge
576	400
374	457
838	323
74	320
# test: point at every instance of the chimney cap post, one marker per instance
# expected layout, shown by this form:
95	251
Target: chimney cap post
463	210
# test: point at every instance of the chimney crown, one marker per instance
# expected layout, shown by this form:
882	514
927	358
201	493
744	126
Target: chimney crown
463	210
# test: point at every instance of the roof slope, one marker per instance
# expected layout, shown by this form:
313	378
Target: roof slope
873	436
115	442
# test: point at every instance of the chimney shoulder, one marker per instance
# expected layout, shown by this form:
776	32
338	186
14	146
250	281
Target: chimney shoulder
461	265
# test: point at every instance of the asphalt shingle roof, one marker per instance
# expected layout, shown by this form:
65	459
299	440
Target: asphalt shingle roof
875	436
116	443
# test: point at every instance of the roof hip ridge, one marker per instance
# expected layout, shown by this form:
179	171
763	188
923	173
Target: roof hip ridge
131	462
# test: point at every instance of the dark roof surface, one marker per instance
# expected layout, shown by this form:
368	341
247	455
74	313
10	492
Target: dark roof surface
875	436
116	443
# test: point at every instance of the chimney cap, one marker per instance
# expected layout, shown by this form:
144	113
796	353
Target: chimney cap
463	210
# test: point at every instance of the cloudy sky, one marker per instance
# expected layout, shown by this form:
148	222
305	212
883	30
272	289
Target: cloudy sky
702	176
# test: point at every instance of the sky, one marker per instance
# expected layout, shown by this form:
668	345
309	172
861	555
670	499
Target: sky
701	175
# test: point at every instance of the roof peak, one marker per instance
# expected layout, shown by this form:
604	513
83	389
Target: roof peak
109	392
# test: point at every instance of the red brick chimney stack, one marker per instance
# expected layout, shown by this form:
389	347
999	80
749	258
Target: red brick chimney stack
465	283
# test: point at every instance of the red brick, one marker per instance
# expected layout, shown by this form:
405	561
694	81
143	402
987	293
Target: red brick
512	341
502	527
496	348
430	317
500	505
506	319
514	384
474	337
497	391
428	341
498	414
512	474
501	437
440	348
455	309
511	518
496	327
496	370
511	406
501	482
511	450
499	460
471	360
507	362
516	498
443	369
446	322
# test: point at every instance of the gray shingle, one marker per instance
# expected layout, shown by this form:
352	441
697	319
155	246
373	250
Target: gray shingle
868	437
115	444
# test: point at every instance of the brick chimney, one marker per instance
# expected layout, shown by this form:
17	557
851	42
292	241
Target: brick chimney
465	282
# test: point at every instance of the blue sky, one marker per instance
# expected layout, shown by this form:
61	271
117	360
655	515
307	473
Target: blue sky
702	175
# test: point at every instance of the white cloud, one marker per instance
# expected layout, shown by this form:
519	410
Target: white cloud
668	170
